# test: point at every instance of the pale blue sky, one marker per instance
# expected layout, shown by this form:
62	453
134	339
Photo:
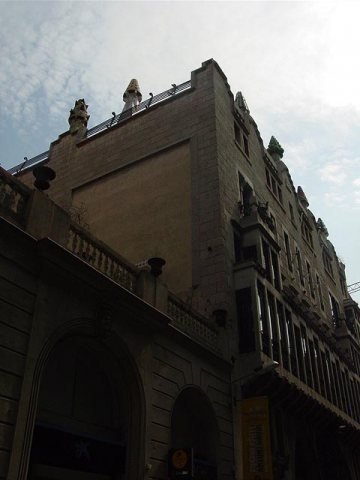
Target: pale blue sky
296	63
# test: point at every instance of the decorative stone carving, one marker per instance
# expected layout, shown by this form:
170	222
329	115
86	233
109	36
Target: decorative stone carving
240	102
275	149
79	117
132	95
321	227
302	197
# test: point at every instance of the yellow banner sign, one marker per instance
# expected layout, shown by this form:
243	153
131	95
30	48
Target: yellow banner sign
257	460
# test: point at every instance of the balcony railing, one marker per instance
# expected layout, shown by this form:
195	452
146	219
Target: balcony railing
13	197
153	100
111	122
28	163
100	256
191	323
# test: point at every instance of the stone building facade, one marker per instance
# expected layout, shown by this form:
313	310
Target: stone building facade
244	352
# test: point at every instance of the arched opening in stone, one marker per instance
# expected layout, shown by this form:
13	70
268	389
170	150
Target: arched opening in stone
194	426
87	423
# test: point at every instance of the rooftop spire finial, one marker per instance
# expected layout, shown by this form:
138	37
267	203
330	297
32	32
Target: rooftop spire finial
241	102
302	197
132	95
78	116
275	149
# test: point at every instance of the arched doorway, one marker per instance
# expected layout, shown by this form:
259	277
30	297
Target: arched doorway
194	426
88	407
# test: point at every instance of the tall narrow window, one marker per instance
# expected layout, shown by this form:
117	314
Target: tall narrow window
245	196
307	358
291	210
319	290
310	279
314	365
299	265
274	328
292	345
237	133
263	318
288	251
300	354
246	145
335	312
327	263
245	320
267	259
276	270
284	338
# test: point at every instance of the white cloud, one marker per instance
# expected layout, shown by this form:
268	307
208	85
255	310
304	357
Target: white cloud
334	199
333	173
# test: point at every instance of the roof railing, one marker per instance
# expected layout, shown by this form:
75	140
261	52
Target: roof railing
111	122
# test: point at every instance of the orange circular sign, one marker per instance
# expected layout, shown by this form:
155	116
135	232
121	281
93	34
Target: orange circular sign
179	459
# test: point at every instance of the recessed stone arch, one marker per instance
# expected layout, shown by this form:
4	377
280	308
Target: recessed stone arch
194	425
86	388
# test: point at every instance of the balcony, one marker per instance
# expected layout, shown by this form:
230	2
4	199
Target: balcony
36	214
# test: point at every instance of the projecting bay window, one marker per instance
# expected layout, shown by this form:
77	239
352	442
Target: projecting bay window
314	365
335	384
306	356
296	349
284	336
245	320
243	253
271	264
246	196
354	400
338	385
292	343
263	320
274	328
299	349
320	369
331	377
326	374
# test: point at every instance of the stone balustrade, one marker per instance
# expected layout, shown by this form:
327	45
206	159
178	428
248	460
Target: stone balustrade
192	323
13	197
101	257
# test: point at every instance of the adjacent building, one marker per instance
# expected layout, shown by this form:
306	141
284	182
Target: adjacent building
170	305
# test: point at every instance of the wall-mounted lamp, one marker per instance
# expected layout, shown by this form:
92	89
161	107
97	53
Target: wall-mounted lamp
43	176
220	316
156	264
